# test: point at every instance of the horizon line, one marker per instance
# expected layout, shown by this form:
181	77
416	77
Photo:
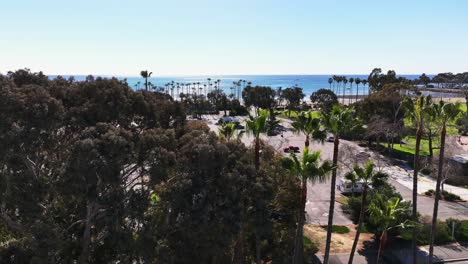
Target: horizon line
230	74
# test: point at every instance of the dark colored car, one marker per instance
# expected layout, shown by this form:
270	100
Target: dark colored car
291	149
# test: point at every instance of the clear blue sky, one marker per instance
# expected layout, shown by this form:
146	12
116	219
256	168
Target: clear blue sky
233	37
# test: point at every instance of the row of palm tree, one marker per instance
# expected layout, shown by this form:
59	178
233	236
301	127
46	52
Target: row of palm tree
175	89
420	111
338	122
445	113
335	85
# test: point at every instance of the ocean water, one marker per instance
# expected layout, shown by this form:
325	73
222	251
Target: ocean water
309	83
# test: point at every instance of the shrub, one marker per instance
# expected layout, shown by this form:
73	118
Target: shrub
353	204
448	196
310	248
445	195
237	109
430	192
460	230
462	125
352	207
338	229
365	230
443	234
426	171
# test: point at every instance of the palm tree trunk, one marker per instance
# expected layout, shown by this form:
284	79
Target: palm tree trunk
357	92
344	91
257	153
272	114
437	193
86	238
238	257
332	201
383	238
257	248
359	227
415	193
431	152
299	243
307	141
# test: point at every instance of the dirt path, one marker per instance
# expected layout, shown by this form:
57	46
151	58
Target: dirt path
341	243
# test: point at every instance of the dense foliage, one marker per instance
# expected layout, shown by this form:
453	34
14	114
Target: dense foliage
94	172
324	99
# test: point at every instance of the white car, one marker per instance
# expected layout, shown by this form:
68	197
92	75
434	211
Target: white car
347	187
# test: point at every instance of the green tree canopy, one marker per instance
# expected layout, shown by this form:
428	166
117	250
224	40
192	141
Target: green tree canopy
324	98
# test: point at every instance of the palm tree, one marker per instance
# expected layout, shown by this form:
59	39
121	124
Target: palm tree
345	81
366	176
358	81
338	121
417	111
231	94
384	213
445	113
308	168
178	91
339	79
330	81
364	82
351	81
243	87
306	124
146	75
228	131
209	85
257	126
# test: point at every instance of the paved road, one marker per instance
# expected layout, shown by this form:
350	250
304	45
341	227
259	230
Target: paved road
318	203
426	204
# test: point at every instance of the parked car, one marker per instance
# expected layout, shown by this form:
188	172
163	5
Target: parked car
347	187
291	149
225	119
228	119
330	139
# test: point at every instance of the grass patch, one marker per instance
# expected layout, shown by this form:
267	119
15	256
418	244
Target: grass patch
409	147
338	229
342	199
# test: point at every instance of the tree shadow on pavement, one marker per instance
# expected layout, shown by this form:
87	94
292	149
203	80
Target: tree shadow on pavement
369	251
